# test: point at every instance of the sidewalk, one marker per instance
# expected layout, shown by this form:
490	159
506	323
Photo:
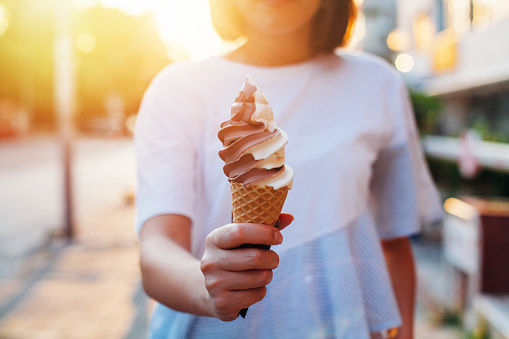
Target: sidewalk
32	186
432	286
88	289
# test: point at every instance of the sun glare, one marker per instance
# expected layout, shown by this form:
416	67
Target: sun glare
4	23
132	7
185	26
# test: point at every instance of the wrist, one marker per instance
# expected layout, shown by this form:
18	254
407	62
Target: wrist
403	333
201	300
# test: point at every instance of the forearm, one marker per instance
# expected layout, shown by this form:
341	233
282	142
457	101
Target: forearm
225	280
171	275
400	262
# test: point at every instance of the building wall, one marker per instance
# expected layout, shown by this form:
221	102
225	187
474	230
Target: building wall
484	49
461	53
380	20
456	35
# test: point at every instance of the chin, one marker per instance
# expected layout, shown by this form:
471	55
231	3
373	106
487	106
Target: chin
278	16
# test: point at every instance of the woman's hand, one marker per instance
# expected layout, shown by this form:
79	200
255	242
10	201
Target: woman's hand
236	278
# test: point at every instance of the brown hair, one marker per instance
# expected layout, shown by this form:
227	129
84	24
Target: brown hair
332	25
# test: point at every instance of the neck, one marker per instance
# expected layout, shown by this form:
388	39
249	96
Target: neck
274	50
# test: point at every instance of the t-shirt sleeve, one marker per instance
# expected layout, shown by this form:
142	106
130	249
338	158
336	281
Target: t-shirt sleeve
403	194
165	142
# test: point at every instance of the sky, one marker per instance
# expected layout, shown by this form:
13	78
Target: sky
184	24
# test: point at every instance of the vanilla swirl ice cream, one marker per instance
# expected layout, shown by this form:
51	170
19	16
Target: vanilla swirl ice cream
254	147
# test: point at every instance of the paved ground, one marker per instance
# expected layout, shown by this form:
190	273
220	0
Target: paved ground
91	287
31	186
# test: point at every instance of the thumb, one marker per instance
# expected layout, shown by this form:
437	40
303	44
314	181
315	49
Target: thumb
285	219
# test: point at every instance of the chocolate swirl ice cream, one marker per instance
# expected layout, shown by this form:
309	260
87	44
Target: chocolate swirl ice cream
253	146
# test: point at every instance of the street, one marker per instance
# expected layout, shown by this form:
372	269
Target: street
32	193
89	288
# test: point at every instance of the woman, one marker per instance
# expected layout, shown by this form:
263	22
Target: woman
360	189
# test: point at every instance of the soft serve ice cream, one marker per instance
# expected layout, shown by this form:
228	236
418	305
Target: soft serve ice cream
253	145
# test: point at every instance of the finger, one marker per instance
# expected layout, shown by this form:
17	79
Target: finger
251	296
245	280
243	259
229	304
285	219
233	235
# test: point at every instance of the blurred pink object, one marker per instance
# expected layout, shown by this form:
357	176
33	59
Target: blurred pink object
468	163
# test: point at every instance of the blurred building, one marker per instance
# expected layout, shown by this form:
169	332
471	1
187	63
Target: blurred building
379	17
458	50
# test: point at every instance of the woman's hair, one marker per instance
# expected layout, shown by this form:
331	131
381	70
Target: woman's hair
332	25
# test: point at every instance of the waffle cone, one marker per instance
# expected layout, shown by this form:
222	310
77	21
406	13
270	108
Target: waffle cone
257	204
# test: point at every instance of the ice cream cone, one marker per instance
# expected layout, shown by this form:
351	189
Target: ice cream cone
257	204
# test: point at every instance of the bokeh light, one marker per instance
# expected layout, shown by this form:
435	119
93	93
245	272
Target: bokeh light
404	62
398	40
86	42
459	208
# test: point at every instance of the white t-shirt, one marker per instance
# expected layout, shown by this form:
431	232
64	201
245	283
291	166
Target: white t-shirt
359	175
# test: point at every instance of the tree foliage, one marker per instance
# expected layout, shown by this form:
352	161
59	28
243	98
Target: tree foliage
26	67
427	111
128	52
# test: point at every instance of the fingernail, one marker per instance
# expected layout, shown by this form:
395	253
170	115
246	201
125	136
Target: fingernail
278	238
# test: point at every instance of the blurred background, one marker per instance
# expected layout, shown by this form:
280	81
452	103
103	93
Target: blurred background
72	75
